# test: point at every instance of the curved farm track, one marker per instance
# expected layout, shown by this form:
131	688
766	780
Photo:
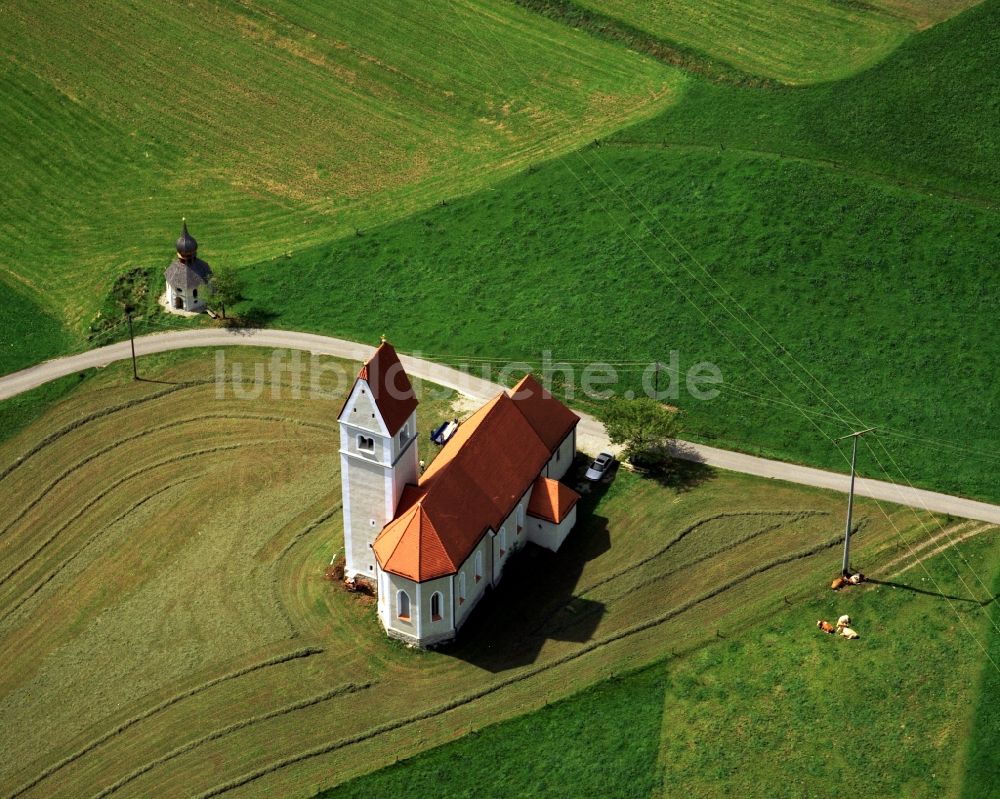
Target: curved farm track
171	632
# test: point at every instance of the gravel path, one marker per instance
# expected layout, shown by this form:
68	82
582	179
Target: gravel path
590	434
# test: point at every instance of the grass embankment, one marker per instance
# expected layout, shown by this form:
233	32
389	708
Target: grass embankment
923	117
293	125
777	709
27	333
170	633
793	41
877	296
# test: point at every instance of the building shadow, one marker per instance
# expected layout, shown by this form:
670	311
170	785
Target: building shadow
536	600
924	591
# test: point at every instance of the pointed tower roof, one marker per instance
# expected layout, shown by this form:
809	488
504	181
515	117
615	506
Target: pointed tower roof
391	388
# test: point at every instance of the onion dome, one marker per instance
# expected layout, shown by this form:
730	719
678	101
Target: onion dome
187	247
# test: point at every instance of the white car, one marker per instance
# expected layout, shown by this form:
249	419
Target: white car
599	468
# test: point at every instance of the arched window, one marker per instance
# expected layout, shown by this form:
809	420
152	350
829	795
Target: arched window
403	605
461	587
436	601
479	566
366	444
503	541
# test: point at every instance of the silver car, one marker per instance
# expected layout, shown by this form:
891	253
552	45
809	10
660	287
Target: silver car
599	468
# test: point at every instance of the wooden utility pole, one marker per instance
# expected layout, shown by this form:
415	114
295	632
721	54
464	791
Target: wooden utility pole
131	337
846	568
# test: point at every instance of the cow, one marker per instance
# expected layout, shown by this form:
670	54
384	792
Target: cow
844	620
825	626
839	583
847	632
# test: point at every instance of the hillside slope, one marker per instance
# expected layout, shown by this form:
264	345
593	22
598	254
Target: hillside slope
845	296
272	128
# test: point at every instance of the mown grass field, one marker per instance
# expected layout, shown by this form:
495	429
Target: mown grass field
777	710
794	41
273	128
831	296
169	631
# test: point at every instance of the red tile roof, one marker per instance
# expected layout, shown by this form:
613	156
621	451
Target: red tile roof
551	500
549	418
472	486
476	480
390	387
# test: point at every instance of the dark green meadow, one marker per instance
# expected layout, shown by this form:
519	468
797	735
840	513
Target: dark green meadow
781	710
926	116
828	297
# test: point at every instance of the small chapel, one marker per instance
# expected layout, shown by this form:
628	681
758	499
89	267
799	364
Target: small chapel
188	276
431	544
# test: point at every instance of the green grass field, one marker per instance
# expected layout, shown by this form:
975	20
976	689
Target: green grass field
169	631
778	709
830	298
292	125
794	41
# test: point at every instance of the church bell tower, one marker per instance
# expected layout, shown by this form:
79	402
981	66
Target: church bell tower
378	455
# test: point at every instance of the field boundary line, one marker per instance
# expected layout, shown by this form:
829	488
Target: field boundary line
51	438
141	434
117	484
942	542
276	660
736	542
627	632
51	575
333	693
617	31
686	531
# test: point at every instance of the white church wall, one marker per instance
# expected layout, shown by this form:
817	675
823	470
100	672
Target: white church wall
562	458
475	587
549	534
360	410
364	513
411	618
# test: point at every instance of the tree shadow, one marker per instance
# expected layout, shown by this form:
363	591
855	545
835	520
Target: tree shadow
535	601
685	471
915	590
246	321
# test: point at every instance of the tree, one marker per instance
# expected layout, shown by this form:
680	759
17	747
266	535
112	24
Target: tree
644	428
227	289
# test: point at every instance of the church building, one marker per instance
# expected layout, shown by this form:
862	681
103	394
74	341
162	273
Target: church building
188	276
433	543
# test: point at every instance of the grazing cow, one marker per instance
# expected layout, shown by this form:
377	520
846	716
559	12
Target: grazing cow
847	632
844	620
839	583
825	626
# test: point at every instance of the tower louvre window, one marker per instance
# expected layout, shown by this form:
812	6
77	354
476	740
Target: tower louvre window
366	443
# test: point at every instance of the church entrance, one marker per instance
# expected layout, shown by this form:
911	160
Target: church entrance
178	302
